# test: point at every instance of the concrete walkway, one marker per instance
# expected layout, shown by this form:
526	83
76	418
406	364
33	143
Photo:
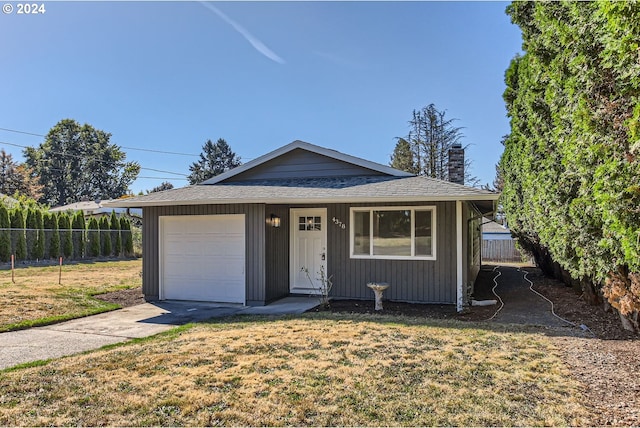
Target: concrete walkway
93	332
521	305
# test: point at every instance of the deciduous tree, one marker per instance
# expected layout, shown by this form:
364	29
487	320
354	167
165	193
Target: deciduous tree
17	178
78	161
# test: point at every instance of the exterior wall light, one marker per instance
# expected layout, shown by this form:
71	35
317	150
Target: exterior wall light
275	220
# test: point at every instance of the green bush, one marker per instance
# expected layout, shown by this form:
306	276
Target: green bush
93	234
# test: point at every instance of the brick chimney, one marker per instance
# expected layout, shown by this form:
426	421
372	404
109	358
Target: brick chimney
456	164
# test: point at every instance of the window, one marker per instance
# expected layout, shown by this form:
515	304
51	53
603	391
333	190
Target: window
393	232
309	223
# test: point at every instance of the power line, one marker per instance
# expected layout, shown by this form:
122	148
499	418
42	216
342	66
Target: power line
124	147
95	160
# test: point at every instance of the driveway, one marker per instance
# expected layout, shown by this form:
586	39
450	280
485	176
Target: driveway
93	332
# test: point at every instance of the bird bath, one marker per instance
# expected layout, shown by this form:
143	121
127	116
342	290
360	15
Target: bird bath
378	288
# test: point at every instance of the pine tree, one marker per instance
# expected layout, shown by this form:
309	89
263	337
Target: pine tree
5	234
403	157
214	160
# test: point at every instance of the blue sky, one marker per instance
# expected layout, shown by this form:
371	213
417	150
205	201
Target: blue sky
169	75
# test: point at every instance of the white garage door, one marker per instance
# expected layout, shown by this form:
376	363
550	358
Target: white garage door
203	258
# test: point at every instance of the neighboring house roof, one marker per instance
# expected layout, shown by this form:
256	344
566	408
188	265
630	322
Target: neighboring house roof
95	208
375	183
489	226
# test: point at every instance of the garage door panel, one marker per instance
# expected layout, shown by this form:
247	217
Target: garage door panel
204	258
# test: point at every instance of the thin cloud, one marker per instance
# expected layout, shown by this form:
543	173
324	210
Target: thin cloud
257	44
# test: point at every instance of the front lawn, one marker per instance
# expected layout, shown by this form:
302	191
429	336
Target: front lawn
36	298
317	369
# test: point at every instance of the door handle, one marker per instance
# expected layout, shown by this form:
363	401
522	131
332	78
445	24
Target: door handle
324	256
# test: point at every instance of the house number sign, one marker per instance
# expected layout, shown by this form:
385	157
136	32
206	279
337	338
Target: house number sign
339	223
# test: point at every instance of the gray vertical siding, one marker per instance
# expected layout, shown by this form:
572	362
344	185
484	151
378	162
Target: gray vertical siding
277	253
255	245
431	281
301	163
267	255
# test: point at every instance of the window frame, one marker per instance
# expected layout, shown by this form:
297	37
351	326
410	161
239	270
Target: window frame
413	209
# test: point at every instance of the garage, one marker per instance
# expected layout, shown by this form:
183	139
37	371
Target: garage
203	258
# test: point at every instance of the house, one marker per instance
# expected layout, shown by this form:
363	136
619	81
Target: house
97	208
245	236
492	230
498	245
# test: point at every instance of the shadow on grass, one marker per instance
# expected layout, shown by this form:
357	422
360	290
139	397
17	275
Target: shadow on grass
402	320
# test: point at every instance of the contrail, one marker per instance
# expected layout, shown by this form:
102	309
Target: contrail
257	44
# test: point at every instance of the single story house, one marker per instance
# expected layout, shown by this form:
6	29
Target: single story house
247	235
492	230
98	208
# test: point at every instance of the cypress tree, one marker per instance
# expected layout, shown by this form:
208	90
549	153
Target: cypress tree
64	223
52	249
116	239
105	236
38	248
93	234
19	239
125	227
5	234
31	233
79	234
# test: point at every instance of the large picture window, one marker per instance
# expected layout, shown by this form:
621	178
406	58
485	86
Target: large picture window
393	232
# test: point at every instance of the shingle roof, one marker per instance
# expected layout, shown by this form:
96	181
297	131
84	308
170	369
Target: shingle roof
489	226
317	190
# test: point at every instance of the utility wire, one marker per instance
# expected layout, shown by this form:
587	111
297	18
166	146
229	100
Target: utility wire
124	147
93	159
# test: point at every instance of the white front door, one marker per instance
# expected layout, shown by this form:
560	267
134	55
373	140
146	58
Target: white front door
308	249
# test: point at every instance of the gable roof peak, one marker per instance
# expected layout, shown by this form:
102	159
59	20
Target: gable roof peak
299	144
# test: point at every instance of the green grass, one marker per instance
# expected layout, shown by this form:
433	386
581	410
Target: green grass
320	369
36	298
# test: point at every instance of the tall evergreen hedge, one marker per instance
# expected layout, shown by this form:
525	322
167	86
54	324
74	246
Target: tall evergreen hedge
571	164
18	238
105	236
38	248
64	224
31	232
52	249
79	235
5	234
93	237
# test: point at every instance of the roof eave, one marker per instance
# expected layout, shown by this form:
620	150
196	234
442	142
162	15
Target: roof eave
361	199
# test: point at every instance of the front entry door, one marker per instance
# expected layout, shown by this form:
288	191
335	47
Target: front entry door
308	249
